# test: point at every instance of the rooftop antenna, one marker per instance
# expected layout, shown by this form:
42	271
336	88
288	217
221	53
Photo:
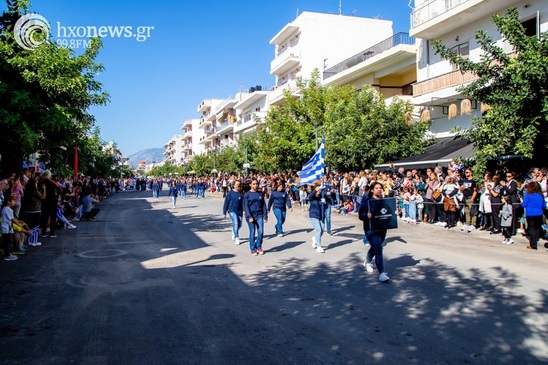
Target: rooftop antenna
340	7
297	15
353	12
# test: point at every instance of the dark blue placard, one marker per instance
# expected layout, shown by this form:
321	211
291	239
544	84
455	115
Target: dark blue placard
383	213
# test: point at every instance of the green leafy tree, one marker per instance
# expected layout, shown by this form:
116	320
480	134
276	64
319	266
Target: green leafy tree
45	93
514	86
360	129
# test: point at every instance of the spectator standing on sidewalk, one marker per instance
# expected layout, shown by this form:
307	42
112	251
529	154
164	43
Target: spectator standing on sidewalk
470	192
49	205
534	203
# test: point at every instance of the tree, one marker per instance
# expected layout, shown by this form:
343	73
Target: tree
360	129
45	93
514	86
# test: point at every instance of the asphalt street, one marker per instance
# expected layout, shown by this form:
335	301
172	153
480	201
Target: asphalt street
147	284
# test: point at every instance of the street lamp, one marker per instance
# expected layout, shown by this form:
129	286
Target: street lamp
123	160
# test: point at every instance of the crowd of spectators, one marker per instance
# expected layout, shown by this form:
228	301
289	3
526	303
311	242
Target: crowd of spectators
36	205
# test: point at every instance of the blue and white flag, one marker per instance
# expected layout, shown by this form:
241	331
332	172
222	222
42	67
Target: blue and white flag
313	170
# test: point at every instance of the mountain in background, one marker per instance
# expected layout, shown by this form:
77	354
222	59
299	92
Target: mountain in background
150	155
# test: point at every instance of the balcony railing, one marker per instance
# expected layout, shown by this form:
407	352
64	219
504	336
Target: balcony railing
395	40
451	79
433	9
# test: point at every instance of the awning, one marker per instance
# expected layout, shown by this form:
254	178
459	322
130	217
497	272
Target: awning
440	153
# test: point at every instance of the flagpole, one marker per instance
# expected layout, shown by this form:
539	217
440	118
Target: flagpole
316	128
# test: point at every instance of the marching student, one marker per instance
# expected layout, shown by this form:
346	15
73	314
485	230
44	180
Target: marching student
256	216
318	205
173	192
233	205
279	199
376	238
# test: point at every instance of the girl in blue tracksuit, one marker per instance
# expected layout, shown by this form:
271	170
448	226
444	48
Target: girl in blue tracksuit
173	192
235	208
280	200
320	199
256	216
376	238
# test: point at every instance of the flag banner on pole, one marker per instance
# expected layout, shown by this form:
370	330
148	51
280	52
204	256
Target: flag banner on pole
313	170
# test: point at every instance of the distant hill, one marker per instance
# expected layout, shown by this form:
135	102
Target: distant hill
150	155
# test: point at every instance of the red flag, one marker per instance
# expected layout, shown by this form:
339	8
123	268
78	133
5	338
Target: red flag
76	161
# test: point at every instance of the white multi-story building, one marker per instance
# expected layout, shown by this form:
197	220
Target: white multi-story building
174	150
316	40
455	23
250	111
190	132
209	140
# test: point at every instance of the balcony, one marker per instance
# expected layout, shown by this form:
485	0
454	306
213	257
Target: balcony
451	79
225	127
188	134
276	96
204	105
438	17
204	121
286	61
398	50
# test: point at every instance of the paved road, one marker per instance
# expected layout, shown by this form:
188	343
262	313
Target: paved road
147	284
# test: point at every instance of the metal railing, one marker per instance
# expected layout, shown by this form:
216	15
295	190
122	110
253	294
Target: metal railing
433	9
395	40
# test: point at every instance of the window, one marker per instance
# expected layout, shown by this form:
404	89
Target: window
462	50
530	27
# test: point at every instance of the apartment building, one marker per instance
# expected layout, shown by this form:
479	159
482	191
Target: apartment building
190	129
250	111
173	153
316	40
389	66
455	23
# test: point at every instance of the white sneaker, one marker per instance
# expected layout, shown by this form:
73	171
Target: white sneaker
464	227
471	228
443	224
313	241
320	249
280	235
232	236
383	278
237	241
504	240
509	241
521	231
368	266
72	226
35	244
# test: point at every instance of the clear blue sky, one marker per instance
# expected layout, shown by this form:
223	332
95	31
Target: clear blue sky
197	50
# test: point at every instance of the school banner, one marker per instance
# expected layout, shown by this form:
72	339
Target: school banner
383	213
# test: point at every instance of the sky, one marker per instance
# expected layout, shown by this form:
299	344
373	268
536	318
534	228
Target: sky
196	50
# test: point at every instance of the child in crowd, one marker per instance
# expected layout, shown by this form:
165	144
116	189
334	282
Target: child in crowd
302	198
347	207
8	220
419	202
506	216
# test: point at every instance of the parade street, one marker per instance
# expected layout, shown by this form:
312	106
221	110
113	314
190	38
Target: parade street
148	284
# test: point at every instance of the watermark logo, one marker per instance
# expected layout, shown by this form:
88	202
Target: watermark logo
31	30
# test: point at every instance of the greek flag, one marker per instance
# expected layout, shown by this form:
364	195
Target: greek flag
313	170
